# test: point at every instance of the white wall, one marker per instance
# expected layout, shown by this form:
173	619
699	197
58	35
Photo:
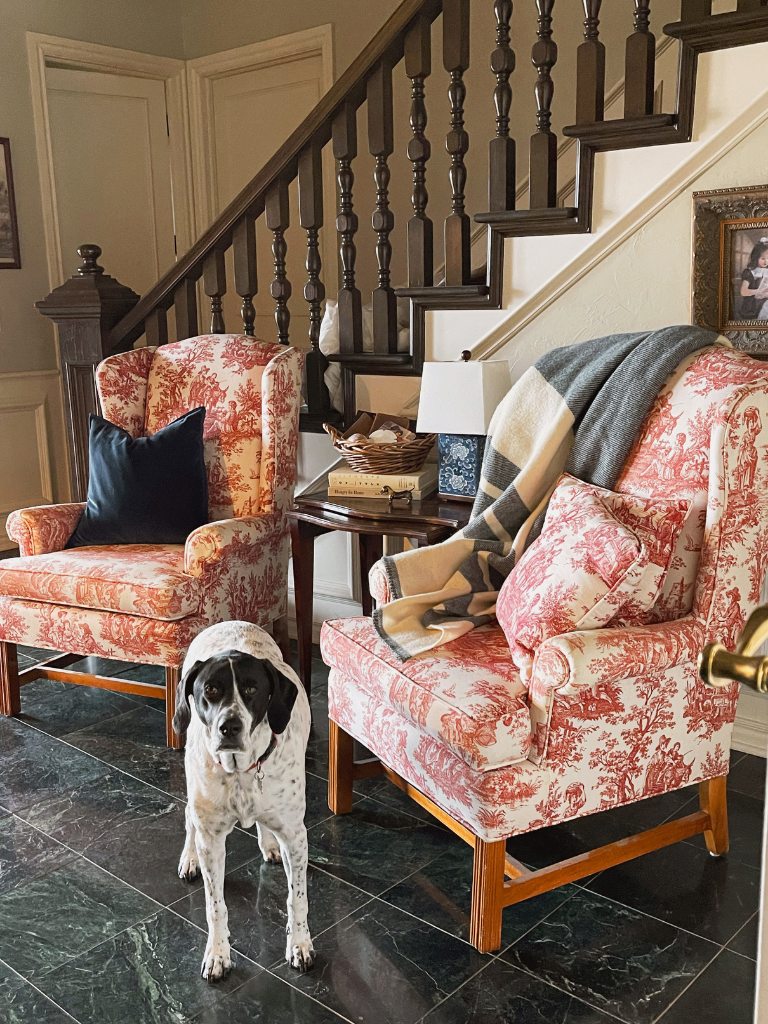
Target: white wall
646	281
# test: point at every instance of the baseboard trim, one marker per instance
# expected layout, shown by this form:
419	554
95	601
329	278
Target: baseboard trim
750	738
324	608
750	730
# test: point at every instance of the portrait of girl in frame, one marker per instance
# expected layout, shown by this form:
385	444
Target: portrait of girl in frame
743	274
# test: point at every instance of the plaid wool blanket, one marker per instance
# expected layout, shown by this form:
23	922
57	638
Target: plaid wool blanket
578	410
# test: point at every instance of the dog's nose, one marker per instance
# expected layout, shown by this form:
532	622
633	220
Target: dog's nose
231	728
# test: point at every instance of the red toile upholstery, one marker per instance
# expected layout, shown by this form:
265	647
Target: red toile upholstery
147	602
616	714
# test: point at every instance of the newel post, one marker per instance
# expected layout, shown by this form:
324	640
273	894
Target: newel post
85	308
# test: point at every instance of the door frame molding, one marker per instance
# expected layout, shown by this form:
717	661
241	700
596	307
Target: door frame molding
202	72
80	55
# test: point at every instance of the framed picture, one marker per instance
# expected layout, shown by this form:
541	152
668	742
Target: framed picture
730	265
10	257
744	274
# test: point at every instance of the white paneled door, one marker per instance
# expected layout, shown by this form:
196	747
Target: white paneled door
110	158
244	105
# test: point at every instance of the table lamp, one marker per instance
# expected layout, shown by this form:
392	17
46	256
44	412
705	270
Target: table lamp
457	402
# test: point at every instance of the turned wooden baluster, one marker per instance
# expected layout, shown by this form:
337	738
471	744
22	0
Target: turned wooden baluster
215	287
185	304
640	64
277	215
501	163
456	62
311	219
156	328
244	252
543	153
590	68
344	139
418	66
380	145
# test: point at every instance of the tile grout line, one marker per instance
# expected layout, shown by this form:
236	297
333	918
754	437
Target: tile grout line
690	985
160	906
738	932
298	991
528	931
652	917
43	994
571	995
112	767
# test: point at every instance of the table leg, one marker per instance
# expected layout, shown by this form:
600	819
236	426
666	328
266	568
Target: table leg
303	549
371	550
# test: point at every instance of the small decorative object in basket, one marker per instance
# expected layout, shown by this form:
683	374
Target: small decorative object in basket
406	454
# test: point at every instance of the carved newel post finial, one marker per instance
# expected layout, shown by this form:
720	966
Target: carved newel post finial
85	308
89	254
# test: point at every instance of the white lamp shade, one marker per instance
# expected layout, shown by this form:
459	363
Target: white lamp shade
460	397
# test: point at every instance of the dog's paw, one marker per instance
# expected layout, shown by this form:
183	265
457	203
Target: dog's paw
189	869
216	965
300	954
269	846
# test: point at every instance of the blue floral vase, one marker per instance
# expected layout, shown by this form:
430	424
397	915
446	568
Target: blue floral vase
459	462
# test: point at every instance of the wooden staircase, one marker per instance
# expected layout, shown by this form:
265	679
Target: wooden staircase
97	316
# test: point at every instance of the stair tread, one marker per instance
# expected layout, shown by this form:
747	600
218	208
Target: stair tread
555	220
721	31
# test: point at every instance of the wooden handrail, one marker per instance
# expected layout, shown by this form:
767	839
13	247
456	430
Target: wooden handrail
387	44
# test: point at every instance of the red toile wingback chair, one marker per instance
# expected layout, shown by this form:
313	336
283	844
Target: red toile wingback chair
147	602
612	715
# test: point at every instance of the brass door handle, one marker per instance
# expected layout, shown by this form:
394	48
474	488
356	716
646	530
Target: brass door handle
719	668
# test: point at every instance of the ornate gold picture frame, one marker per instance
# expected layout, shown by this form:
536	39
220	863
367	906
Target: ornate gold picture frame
727	293
10	256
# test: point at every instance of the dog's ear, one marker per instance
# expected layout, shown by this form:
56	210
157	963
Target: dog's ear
183	713
281	701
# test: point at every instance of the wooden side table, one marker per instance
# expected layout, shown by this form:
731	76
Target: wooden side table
425	522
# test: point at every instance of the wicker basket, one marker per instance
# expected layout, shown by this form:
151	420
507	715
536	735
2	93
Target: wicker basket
398	457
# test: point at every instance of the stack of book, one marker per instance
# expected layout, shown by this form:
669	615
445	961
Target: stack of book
348	483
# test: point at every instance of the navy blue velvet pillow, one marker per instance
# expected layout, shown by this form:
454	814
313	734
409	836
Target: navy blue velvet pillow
144	490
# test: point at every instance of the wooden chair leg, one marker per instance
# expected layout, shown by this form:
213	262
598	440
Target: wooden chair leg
487	892
340	768
172	677
713	800
10	700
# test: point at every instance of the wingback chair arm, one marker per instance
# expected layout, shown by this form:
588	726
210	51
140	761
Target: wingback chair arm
280	404
378	584
44	528
217	541
568	663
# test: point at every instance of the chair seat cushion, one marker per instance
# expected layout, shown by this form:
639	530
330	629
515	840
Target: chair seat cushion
467	693
143	579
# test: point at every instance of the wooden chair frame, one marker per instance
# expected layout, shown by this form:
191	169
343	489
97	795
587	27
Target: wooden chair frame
11	680
498	880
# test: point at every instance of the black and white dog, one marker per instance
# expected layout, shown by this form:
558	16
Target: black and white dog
246	742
